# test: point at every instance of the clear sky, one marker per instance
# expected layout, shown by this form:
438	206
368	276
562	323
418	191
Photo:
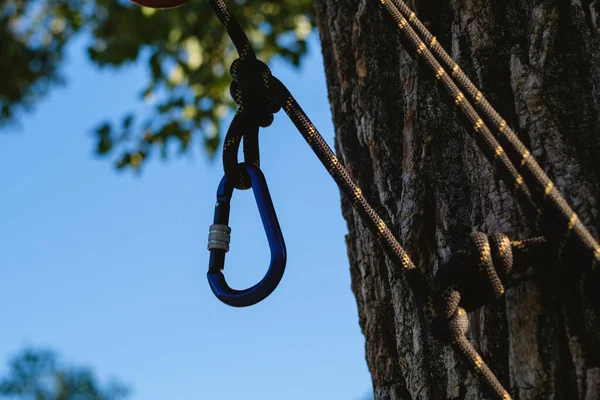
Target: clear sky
109	269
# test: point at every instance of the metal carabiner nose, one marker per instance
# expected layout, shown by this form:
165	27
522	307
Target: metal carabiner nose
218	244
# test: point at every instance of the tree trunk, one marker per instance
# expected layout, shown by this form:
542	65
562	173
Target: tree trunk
538	62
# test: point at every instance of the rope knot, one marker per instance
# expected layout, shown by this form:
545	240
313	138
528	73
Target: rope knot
473	276
450	330
494	260
251	90
477	272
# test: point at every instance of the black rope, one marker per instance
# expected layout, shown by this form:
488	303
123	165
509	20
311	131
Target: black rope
457	289
493	257
250	91
520	168
257	104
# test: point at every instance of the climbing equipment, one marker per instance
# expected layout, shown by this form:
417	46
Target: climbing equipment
456	289
451	299
545	196
218	243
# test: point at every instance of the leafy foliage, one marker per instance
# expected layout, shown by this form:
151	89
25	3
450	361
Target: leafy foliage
37	375
186	51
32	41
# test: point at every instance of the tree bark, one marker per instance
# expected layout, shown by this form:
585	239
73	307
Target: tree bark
538	62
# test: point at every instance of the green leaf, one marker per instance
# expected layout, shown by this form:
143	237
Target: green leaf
189	55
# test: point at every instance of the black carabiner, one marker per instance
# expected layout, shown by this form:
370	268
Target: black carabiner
219	244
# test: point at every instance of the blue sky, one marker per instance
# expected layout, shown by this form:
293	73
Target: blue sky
109	269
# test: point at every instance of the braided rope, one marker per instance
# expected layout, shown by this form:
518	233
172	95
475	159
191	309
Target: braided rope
386	239
463	91
459	325
259	98
454	294
256	105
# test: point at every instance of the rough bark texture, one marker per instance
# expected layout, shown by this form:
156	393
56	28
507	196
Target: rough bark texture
538	62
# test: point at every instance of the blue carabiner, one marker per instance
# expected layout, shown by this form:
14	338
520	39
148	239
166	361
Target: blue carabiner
219	244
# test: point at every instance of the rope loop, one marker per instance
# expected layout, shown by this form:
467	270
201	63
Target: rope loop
459	288
493	251
493	257
458	285
251	90
240	128
475	276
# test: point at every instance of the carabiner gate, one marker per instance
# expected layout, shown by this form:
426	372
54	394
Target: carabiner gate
218	244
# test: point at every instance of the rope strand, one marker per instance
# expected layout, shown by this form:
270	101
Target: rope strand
252	78
461	87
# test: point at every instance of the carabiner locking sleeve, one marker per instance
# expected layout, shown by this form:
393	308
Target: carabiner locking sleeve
218	244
